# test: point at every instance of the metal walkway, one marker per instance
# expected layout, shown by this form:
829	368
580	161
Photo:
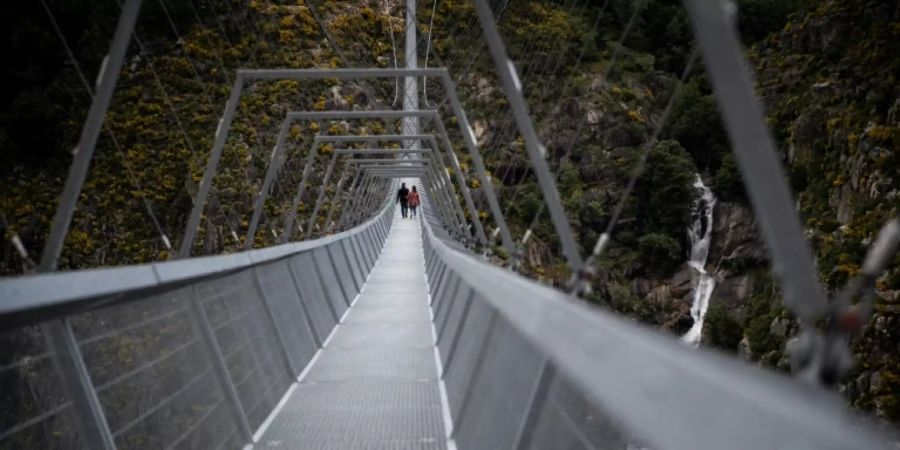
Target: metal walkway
377	332
375	384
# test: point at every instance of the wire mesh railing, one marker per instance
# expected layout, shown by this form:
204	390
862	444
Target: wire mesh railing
182	354
197	353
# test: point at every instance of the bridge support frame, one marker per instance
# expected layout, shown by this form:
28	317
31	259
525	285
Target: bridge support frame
310	161
312	74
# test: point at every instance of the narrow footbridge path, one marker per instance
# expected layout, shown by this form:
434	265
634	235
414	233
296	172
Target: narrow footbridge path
366	330
376	383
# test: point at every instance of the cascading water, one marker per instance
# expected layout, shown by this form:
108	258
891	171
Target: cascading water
700	233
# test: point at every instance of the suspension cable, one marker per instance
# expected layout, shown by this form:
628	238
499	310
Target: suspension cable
642	162
613	59
148	207
167	99
428	52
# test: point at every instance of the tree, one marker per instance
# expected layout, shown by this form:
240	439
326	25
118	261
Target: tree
665	194
659	254
695	124
720	329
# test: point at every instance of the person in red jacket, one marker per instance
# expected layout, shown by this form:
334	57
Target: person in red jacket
413	201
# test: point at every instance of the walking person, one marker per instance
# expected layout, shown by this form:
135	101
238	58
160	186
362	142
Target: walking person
403	198
413	200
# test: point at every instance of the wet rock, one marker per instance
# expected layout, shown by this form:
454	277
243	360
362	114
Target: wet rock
841	201
681	283
660	295
642	286
734	291
875	382
881	324
862	382
680	323
805	130
744	349
735	236
480	127
779	327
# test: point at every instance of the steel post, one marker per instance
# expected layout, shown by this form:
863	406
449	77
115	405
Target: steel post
270	314
275	163
357	177
58	334
190	231
219	367
90	133
70	367
301	188
536	151
315	212
337	197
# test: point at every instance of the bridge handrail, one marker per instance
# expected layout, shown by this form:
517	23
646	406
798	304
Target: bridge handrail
666	393
32	298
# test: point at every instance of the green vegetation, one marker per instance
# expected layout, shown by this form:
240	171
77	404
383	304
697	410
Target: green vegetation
826	74
720	330
660	254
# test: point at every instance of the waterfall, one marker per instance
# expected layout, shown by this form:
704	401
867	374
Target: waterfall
700	233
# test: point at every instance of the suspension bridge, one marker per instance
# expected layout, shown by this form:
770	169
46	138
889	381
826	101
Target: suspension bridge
387	332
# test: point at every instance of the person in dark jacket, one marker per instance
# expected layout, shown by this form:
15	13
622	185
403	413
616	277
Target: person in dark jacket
403	198
413	201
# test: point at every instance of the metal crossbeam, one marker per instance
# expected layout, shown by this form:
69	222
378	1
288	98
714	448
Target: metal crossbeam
429	138
313	74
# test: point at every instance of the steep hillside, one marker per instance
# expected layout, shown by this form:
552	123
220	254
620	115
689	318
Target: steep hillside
827	72
830	83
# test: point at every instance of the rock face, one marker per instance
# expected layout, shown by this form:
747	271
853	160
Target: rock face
830	88
734	245
735	237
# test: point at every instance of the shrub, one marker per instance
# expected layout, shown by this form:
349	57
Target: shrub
660	254
665	194
720	329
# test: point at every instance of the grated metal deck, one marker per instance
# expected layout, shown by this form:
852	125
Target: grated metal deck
375	384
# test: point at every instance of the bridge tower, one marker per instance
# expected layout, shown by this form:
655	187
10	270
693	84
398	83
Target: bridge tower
410	83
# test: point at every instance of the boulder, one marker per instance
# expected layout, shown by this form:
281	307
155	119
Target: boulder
681	284
733	291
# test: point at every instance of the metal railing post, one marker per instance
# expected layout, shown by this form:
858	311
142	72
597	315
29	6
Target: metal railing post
336	198
221	370
372	200
359	202
301	188
533	411
275	163
70	366
90	132
441	171
190	231
486	184
270	314
317	337
461	181
536	150
67	358
312	217
351	200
